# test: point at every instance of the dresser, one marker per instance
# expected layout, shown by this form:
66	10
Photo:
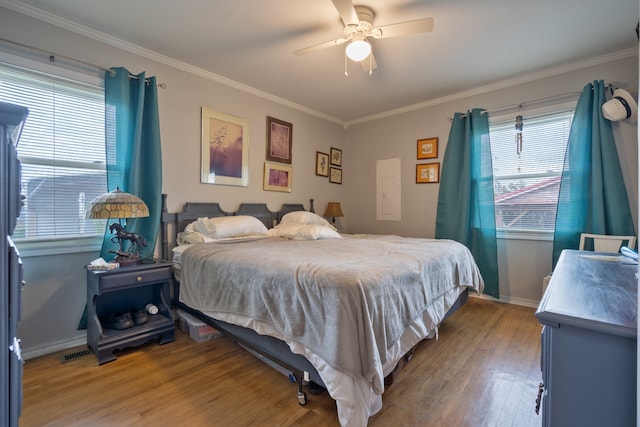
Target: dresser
12	118
589	335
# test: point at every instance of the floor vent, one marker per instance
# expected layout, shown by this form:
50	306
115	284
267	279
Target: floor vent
76	355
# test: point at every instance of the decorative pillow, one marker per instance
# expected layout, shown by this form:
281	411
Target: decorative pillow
304	232
305	218
189	238
228	226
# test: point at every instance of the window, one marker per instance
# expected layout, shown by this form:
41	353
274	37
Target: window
526	183
62	151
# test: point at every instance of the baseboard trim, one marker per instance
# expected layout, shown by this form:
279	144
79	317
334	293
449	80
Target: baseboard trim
32	353
509	300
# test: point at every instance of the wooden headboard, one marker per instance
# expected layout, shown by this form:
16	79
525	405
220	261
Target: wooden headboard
174	222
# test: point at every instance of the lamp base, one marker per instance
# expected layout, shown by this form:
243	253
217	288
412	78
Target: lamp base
128	260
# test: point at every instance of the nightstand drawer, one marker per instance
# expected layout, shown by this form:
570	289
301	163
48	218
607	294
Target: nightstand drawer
113	281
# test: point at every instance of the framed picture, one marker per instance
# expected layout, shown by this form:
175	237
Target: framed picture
279	140
225	149
336	157
277	177
322	164
427	173
428	148
335	175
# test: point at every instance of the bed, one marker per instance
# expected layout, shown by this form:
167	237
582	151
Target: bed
337	311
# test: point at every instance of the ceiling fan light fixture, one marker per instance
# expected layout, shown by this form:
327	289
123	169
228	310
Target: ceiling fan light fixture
358	50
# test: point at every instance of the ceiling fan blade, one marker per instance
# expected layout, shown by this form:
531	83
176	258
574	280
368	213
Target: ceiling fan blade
369	66
347	12
405	28
320	46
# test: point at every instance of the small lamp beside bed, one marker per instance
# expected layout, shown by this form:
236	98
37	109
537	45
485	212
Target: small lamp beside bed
118	204
333	210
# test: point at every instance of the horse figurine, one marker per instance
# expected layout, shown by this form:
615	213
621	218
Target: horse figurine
121	234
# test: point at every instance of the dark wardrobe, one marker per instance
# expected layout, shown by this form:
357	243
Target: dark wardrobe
12	118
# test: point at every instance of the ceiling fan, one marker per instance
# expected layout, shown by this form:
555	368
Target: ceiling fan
358	27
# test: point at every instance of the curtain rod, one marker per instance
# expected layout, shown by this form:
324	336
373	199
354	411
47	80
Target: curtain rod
52	58
530	103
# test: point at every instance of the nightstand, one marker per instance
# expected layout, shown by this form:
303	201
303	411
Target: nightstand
121	290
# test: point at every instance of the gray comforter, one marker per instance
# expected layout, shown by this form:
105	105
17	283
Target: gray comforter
347	300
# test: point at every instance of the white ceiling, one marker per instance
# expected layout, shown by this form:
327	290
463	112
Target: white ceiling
474	43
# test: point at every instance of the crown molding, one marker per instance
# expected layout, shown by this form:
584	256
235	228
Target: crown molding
550	72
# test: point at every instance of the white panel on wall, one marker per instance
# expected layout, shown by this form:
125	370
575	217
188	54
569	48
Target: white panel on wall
388	190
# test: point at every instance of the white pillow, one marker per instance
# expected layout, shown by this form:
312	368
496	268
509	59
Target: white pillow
228	226
305	218
304	232
177	253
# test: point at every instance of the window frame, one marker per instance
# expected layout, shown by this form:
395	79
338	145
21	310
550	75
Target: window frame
531	112
58	245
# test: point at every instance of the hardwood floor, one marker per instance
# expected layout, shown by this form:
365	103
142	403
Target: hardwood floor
483	370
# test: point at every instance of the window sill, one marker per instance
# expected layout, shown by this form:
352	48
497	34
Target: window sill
35	248
545	236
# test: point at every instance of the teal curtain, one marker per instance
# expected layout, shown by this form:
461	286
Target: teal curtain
466	211
134	159
133	151
593	197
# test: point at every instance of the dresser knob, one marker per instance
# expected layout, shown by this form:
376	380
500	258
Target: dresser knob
139	279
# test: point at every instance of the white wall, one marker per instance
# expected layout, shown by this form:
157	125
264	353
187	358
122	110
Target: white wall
180	129
522	263
53	299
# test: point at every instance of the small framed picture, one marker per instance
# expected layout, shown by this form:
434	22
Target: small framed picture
279	140
277	177
322	164
335	175
427	173
336	157
428	148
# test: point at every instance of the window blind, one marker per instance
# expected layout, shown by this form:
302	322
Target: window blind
62	151
526	183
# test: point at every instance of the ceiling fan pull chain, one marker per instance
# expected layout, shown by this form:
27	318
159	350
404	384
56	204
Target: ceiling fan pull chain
346	74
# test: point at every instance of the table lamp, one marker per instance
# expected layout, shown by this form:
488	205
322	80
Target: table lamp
333	210
121	205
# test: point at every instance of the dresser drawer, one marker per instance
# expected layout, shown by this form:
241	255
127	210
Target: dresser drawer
118	280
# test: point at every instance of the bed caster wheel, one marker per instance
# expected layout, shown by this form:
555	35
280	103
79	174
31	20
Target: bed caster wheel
302	398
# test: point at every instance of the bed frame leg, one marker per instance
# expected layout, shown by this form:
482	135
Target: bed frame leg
302	396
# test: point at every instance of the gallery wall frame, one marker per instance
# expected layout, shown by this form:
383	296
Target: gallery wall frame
427	148
279	140
225	149
428	173
322	164
277	177
336	157
335	175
